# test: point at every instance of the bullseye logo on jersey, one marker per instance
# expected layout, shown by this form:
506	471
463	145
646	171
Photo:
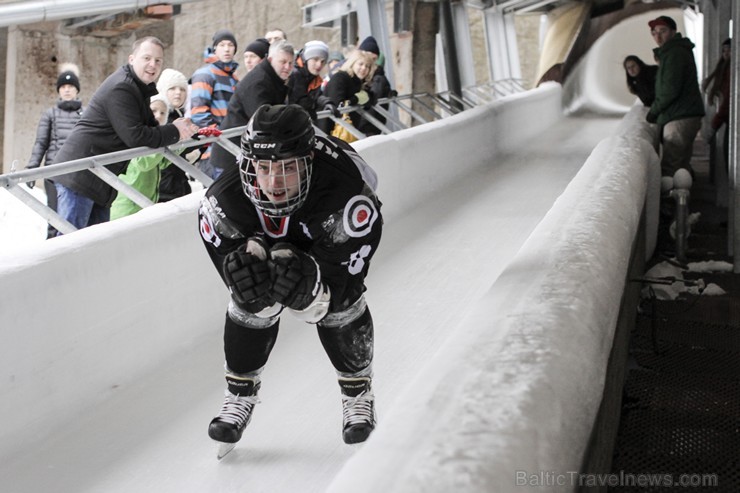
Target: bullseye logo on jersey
359	216
207	231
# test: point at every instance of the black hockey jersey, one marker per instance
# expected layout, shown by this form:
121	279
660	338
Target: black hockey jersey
339	224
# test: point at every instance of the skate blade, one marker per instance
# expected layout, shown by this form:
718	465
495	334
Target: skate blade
224	449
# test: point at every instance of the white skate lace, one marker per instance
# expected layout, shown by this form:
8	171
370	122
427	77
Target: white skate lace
236	409
358	410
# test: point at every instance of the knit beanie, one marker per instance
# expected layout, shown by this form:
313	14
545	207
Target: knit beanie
223	34
315	49
171	78
259	47
160	97
68	77
369	44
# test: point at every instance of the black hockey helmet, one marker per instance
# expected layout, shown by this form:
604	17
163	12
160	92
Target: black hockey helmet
277	142
278	132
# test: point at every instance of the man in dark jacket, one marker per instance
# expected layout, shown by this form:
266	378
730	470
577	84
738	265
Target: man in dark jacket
117	118
265	84
678	106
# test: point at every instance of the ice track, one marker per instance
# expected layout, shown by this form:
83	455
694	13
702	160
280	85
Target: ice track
433	263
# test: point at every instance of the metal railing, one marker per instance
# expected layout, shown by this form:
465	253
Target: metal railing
418	109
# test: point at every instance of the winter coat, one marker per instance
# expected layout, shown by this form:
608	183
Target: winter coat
677	94
643	86
54	127
117	118
723	109
304	89
173	182
260	86
212	86
344	87
142	173
380	87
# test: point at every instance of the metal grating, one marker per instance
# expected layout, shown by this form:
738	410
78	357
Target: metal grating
683	392
678	443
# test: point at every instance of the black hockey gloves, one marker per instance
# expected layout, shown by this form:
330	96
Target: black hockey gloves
296	280
247	276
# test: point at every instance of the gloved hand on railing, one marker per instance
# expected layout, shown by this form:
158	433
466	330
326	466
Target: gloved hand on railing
332	109
208	132
362	97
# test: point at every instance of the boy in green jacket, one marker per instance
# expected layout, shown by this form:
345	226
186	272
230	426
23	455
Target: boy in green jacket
143	173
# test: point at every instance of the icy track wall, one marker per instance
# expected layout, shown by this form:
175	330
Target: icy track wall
518	395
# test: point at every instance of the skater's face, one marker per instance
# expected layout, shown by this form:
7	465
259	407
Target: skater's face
280	181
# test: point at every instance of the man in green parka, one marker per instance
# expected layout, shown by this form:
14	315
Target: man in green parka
678	107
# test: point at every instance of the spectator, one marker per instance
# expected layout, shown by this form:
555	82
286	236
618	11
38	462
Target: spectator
333	64
266	84
347	86
173	84
213	84
312	266
255	52
54	126
304	83
275	35
640	79
678	107
717	87
379	85
118	117
143	173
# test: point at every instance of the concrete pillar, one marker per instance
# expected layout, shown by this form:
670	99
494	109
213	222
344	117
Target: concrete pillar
8	82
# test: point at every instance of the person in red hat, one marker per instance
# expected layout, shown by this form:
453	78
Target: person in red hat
678	106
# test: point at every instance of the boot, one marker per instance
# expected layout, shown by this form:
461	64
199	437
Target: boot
358	416
236	411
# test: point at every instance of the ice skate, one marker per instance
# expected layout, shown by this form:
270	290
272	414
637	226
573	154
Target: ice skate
236	413
358	416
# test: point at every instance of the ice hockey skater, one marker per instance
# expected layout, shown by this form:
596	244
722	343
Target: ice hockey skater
293	229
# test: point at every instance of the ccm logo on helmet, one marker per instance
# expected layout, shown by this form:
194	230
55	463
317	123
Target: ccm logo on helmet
257	145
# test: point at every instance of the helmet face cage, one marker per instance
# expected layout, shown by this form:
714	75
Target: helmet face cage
276	187
275	163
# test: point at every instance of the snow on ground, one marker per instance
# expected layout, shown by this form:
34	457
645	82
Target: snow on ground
19	225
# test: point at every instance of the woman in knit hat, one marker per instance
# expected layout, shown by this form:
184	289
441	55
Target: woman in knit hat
304	83
173	85
54	126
